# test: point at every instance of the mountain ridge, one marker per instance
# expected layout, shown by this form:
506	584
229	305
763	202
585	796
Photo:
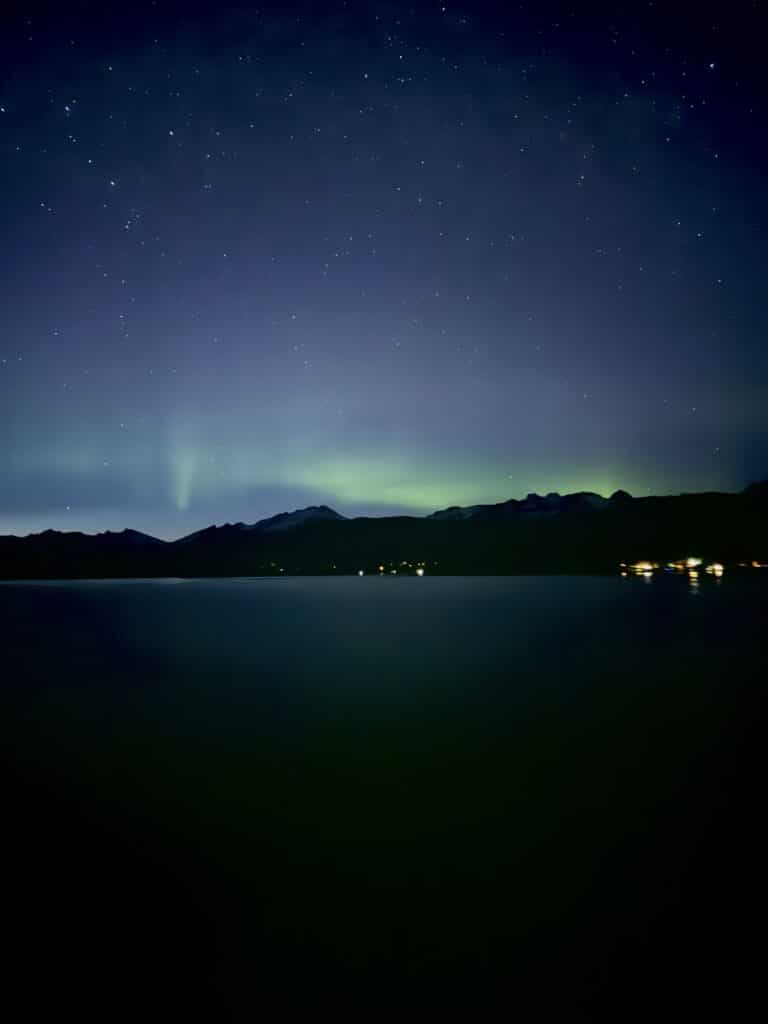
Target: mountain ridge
577	532
532	503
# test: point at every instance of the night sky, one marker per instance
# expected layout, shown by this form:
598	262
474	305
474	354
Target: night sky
389	257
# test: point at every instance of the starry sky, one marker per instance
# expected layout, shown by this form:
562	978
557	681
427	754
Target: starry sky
389	257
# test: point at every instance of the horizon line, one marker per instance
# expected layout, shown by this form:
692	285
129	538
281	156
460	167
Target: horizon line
403	515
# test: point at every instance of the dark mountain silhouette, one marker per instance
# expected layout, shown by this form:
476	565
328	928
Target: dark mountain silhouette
282	521
552	504
302	516
580	532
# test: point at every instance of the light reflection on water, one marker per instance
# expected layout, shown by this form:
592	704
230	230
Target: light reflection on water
692	577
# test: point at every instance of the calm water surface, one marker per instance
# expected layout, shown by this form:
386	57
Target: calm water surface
405	791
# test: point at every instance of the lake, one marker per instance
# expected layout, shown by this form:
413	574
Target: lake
382	791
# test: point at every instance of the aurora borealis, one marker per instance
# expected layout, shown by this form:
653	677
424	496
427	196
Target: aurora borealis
384	258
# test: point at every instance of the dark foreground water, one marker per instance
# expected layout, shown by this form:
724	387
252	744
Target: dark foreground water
383	792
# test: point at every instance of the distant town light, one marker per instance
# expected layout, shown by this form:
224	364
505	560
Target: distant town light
716	569
419	572
360	572
693	563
